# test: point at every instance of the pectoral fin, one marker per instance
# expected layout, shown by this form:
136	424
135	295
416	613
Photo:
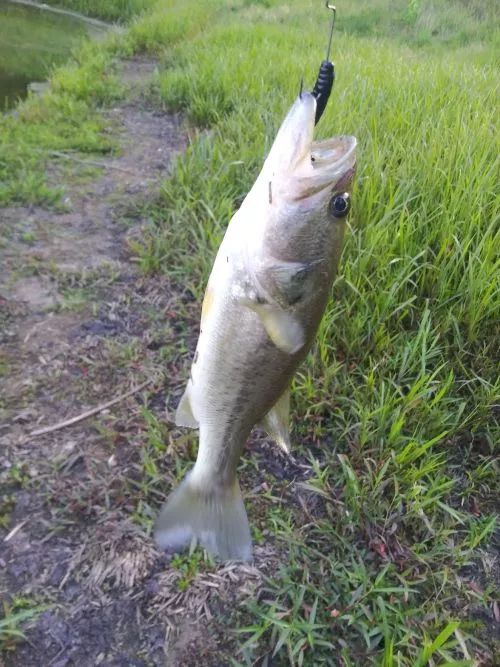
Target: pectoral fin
184	415
285	331
276	422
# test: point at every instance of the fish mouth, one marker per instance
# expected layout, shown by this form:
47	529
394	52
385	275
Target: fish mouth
325	166
333	161
311	165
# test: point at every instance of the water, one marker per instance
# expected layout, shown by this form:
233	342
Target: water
32	41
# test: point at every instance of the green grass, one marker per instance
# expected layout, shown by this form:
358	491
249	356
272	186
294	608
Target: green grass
12	619
64	118
397	406
403	381
418	23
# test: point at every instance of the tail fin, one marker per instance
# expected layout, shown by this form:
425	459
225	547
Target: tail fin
215	517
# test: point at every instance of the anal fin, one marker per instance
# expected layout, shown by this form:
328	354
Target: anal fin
277	422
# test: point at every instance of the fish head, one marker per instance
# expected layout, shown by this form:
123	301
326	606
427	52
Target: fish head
308	185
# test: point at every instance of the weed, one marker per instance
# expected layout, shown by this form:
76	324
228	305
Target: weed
189	566
11	622
17	474
4	365
7	504
28	237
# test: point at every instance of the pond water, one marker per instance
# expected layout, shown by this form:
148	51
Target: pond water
32	41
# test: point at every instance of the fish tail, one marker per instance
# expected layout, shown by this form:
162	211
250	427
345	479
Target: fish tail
215	517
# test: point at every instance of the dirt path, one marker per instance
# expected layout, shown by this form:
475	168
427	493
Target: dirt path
79	326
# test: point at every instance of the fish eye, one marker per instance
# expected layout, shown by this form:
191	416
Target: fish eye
340	205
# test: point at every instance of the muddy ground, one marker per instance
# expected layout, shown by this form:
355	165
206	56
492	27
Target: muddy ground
79	325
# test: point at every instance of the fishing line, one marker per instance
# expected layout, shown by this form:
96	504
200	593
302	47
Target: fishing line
326	76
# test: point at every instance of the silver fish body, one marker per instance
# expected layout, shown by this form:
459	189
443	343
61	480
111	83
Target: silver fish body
265	298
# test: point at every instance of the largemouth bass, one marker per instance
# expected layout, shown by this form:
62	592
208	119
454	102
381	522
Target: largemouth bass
264	300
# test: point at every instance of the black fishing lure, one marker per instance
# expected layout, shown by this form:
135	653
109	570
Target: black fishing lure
323	87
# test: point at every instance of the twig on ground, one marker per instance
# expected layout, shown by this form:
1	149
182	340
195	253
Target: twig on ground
15	530
89	413
96	163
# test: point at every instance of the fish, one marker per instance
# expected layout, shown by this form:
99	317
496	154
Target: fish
266	295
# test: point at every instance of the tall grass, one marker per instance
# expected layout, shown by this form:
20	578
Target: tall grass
403	382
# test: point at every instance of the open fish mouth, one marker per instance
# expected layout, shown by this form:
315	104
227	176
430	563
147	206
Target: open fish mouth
329	165
334	160
311	165
333	154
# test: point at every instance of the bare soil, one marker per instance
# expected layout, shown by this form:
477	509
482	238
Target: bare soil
79	325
